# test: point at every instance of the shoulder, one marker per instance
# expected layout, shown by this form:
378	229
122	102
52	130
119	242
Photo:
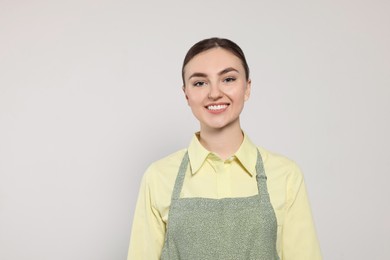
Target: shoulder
280	167
276	160
158	182
165	169
285	178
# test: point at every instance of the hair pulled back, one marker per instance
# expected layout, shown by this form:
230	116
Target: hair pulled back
215	42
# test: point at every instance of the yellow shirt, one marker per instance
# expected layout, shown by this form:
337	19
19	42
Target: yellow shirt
210	177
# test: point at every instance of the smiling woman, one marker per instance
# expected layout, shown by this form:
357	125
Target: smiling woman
216	88
222	197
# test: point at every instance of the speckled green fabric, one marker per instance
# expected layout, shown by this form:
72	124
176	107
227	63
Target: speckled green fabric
221	229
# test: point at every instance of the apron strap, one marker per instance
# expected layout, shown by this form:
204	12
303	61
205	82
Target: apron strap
261	178
180	177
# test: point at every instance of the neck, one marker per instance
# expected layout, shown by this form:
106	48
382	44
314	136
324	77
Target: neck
223	142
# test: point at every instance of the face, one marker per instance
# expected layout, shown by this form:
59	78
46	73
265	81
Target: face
216	88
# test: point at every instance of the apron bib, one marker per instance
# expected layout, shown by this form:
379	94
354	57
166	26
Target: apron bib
227	229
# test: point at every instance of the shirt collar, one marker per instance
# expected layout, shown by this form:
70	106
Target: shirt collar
196	153
246	154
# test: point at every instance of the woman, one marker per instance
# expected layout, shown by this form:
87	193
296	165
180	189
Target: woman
223	197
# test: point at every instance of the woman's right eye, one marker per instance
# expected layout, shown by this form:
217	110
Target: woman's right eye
199	84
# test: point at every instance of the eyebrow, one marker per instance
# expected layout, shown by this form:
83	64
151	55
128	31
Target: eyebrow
224	71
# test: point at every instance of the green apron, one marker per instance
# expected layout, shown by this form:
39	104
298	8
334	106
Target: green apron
227	229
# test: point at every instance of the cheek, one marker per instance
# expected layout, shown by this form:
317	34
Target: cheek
194	97
238	94
191	100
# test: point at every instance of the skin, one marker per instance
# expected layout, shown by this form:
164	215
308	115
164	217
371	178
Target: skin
216	78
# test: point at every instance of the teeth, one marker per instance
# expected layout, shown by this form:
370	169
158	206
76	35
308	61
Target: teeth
216	107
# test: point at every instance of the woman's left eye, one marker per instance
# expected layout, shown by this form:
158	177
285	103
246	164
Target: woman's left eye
230	79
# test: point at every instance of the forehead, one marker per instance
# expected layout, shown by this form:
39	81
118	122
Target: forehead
213	61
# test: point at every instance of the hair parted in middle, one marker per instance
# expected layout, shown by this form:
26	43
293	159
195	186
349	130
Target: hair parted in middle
215	42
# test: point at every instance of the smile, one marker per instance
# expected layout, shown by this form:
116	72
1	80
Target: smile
217	107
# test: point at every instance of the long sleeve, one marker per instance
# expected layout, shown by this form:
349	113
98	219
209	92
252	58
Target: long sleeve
148	231
299	236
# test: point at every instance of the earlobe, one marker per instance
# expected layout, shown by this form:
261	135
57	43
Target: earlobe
248	90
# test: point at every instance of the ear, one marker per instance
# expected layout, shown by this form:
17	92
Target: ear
248	90
185	94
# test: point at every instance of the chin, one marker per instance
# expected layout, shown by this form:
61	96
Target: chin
217	125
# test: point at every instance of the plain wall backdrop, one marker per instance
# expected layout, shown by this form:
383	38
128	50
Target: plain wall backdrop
90	95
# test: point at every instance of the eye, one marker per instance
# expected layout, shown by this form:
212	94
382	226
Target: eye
199	84
229	79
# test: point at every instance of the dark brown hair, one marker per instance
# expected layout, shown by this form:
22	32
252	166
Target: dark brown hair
215	42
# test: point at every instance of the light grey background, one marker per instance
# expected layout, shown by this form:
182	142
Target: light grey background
90	95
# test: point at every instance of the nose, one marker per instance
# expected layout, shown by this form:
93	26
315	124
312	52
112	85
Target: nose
215	92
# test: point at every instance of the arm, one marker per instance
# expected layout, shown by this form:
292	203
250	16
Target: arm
299	236
148	231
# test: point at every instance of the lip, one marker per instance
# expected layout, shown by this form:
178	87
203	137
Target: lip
216	108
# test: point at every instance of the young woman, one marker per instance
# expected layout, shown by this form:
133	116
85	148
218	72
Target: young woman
222	197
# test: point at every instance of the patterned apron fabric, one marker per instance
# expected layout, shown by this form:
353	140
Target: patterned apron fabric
226	229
